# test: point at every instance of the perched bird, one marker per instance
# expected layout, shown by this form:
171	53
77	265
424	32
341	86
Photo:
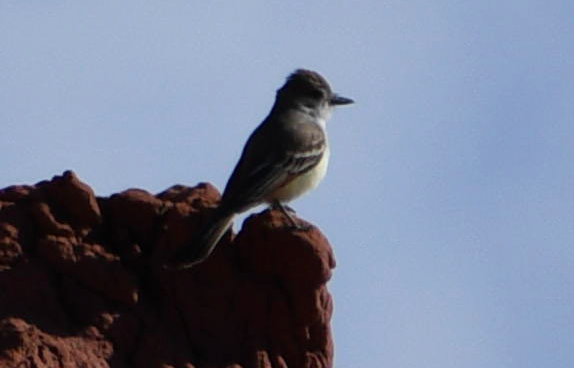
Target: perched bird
285	157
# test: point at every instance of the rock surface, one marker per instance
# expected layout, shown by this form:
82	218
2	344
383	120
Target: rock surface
82	283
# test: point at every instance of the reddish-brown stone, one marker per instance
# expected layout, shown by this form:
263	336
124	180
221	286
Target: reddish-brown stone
24	345
73	199
82	283
10	249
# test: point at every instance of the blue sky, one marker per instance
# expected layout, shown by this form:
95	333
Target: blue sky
449	197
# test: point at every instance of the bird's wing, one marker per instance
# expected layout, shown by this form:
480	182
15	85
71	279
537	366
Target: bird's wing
268	164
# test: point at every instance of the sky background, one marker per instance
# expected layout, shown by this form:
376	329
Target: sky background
449	199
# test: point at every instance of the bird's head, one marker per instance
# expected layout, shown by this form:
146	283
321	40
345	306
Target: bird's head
308	89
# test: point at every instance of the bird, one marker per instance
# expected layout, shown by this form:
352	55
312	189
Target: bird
285	157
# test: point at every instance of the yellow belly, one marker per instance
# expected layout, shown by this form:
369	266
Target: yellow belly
303	183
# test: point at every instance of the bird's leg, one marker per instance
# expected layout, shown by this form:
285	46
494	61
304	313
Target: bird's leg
288	208
278	205
285	211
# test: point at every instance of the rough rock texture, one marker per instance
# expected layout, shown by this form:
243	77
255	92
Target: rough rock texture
81	283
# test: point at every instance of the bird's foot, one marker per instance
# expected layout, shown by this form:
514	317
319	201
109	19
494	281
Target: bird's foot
287	212
301	227
288	208
276	205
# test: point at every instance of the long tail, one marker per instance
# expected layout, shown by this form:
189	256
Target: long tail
203	244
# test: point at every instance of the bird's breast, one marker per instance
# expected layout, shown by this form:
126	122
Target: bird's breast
303	183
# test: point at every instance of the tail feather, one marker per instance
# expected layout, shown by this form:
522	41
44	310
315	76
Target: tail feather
203	244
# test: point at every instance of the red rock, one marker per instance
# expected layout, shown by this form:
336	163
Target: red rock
24	345
15	193
74	199
46	223
269	248
201	196
136	211
10	249
91	265
82	283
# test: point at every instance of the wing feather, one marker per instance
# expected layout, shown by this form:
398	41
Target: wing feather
274	155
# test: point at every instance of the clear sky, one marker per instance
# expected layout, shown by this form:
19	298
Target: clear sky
449	199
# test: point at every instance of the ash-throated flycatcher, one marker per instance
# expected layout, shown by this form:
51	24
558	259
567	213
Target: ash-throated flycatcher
284	157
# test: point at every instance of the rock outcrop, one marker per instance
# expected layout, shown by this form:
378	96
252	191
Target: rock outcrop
82	283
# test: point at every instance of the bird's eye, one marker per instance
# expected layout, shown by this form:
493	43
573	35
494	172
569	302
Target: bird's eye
316	94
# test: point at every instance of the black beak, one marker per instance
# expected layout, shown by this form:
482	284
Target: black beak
339	100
